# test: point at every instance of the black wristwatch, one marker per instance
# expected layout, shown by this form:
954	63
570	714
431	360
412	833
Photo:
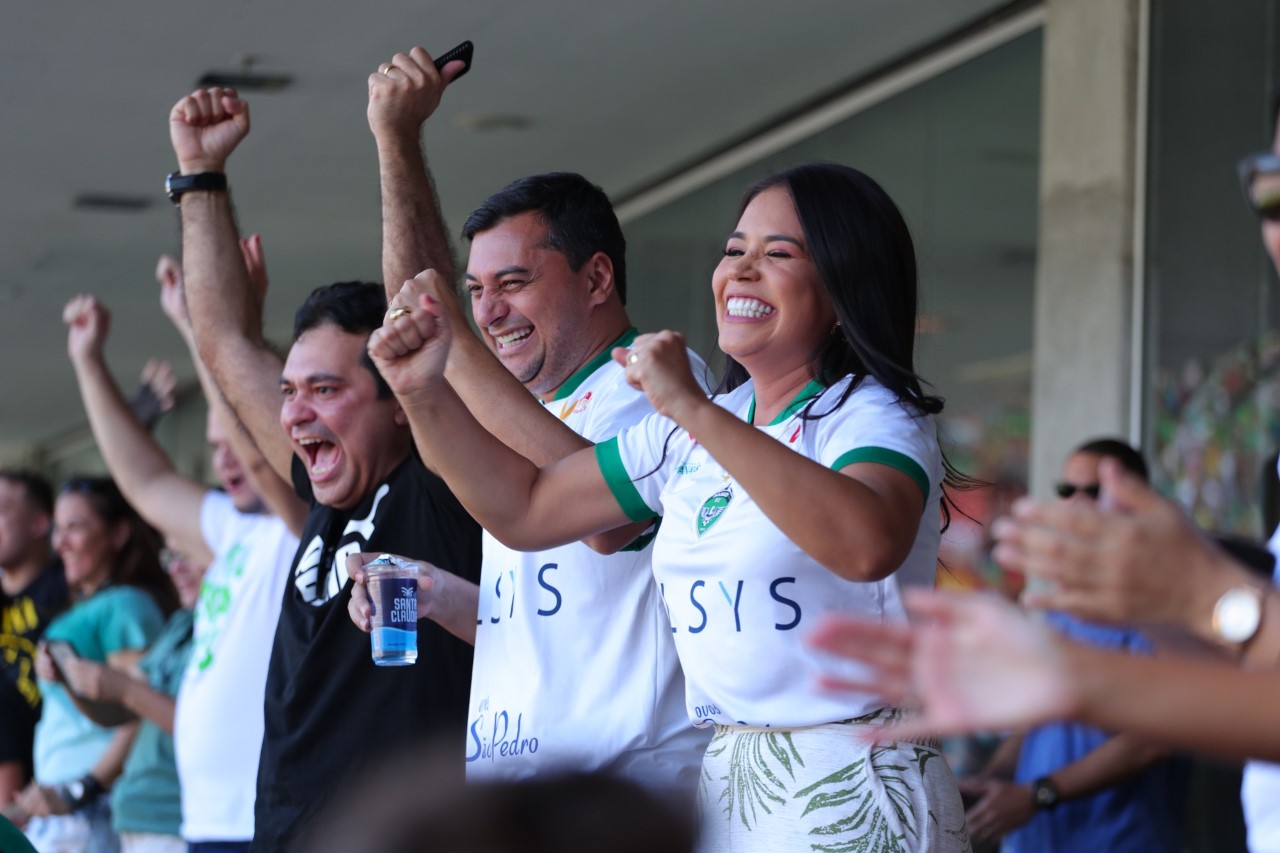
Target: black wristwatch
81	792
1045	794
176	183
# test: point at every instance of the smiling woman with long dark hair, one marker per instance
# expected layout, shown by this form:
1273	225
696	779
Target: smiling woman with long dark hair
812	482
121	596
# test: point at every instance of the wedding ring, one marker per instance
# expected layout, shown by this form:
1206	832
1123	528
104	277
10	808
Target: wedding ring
398	313
386	72
633	358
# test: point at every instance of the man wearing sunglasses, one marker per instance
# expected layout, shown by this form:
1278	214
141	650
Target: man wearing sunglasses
1068	786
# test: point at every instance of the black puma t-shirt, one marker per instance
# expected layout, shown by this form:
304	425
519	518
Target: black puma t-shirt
329	710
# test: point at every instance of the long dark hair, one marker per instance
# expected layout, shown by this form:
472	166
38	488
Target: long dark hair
866	260
138	562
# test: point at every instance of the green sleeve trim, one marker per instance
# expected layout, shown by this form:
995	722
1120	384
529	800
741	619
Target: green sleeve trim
885	456
619	481
642	541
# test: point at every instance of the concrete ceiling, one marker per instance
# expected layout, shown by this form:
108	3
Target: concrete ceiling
622	92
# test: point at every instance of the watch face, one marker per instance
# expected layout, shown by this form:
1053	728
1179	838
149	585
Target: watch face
1237	614
1044	794
76	790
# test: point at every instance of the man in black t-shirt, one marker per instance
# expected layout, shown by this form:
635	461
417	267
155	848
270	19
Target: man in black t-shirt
348	449
33	590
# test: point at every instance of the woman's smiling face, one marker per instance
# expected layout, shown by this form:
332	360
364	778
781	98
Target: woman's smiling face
84	541
770	302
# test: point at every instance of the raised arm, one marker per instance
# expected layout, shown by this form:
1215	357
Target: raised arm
416	253
205	127
276	493
403	93
978	663
417	258
1137	559
144	472
525	506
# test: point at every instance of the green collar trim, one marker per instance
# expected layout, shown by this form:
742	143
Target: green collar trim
602	358
807	393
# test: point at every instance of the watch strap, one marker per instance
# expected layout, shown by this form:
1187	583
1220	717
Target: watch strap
176	184
81	792
1044	793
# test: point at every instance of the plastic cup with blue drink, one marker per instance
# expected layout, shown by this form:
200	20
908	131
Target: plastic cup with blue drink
393	600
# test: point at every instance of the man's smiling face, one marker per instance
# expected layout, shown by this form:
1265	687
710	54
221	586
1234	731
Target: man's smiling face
532	308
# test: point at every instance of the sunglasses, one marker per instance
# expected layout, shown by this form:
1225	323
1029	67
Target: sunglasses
1067	490
1260	180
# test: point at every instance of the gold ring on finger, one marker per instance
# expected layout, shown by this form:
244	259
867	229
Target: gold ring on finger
398	313
633	358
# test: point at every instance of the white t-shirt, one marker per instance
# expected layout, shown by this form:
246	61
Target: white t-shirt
1260	793
739	592
574	663
217	728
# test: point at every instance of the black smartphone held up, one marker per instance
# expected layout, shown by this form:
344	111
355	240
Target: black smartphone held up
462	51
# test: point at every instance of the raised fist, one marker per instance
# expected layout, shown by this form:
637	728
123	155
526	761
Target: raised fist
404	92
172	299
205	127
88	322
412	346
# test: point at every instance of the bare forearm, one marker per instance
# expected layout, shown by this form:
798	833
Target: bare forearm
12	780
276	493
1004	761
111	764
841	522
141	469
454	605
413	231
149	704
226	323
1193	704
524	506
1119	758
218	291
504	407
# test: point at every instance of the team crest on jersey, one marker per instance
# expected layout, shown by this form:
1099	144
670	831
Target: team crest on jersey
714	507
575	407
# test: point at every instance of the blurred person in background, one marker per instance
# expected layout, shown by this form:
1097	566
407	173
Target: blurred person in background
146	806
219	730
121	599
1067	786
33	590
975	663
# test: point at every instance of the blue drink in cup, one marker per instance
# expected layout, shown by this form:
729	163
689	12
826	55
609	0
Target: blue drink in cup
393	599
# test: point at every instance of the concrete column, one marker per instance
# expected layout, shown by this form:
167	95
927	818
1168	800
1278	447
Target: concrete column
1088	190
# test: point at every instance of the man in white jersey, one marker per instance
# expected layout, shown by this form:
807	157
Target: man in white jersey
575	667
218	718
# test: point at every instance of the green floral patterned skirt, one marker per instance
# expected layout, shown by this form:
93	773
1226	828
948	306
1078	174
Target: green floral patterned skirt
827	788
